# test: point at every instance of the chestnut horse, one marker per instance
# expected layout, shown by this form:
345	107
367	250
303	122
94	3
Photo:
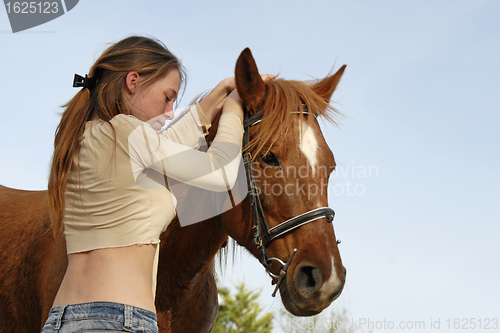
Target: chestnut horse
290	165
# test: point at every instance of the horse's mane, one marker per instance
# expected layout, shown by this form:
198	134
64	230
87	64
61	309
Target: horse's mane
282	101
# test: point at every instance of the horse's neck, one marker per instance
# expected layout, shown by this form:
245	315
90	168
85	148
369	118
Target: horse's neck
185	253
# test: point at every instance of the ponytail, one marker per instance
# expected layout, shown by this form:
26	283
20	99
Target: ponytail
68	134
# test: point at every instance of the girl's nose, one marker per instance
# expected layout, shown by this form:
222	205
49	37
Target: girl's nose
169	115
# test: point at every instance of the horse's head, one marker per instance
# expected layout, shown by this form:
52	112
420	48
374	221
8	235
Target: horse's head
291	163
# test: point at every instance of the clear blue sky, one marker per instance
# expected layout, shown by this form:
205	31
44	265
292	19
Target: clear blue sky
420	238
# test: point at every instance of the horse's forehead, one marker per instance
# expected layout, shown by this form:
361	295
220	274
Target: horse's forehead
308	143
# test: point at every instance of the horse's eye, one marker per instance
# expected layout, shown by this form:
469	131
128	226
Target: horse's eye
270	159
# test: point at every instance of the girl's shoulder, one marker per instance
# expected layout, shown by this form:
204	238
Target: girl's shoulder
118	128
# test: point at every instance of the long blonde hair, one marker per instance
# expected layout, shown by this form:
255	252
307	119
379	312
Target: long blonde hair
150	58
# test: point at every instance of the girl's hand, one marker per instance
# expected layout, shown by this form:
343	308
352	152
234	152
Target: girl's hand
229	84
233	104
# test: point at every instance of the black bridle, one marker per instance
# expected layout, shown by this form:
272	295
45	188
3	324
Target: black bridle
259	219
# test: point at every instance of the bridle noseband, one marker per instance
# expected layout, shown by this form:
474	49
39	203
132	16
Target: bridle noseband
259	219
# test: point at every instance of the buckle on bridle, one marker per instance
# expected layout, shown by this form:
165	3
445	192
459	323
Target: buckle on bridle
257	242
247	158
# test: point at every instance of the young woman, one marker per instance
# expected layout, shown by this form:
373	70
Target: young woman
102	191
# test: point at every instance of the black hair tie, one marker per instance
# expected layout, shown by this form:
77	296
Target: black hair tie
85	82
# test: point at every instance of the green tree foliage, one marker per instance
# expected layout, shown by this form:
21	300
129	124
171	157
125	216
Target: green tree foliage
241	313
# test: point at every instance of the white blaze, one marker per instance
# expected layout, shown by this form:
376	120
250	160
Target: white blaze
308	144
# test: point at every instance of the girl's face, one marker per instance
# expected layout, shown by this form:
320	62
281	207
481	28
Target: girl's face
154	103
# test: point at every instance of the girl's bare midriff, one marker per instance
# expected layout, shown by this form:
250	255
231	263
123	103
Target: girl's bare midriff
121	275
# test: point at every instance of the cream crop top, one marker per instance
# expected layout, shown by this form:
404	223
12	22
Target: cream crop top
111	201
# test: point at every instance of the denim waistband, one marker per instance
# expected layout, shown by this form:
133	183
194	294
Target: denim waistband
131	316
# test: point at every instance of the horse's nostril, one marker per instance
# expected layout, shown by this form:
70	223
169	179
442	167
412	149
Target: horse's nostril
308	280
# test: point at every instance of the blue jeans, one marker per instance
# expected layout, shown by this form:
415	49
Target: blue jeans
100	317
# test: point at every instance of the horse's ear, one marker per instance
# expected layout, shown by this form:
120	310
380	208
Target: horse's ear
326	87
249	83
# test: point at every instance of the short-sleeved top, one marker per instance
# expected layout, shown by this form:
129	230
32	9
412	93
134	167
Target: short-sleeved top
111	200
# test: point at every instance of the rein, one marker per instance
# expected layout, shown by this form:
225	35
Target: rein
259	219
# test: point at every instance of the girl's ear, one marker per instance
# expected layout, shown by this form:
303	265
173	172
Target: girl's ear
131	81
